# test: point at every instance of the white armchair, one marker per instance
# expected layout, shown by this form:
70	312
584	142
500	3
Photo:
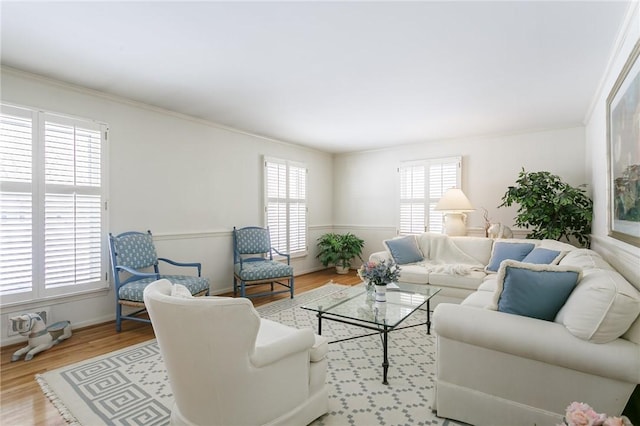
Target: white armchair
227	366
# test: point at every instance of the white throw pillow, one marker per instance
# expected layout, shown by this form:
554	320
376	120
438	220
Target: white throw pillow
601	308
178	290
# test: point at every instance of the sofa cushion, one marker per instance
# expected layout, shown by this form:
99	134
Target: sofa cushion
633	333
585	259
503	250
479	299
319	349
404	250
556	245
601	308
489	284
541	255
478	248
415	274
536	291
470	281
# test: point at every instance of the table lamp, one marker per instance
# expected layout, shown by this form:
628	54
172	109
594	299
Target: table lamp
454	204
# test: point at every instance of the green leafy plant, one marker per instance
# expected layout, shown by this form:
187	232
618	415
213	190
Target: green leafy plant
551	207
339	249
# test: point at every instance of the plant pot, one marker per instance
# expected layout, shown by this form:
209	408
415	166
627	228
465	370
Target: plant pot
381	293
342	270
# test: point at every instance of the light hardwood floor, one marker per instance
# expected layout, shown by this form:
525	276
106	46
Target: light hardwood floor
23	403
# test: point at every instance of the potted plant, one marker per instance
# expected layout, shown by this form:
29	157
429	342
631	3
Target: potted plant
339	250
553	208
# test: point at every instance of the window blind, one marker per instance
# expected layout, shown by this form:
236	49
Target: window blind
286	205
16	207
422	184
53	205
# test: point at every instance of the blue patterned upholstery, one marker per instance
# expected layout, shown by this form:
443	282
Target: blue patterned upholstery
134	262
253	240
250	269
135	250
133	291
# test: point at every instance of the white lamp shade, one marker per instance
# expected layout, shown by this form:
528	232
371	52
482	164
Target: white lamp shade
454	200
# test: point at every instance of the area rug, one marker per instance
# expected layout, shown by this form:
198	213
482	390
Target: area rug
130	386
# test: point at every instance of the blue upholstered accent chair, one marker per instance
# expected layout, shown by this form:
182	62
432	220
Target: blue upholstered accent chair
134	263
253	263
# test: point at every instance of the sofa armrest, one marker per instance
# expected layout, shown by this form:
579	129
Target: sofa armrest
539	340
276	341
380	256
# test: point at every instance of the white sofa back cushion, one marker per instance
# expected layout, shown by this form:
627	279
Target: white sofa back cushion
585	259
477	247
601	308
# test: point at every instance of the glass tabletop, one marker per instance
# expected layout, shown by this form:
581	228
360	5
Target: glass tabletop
354	304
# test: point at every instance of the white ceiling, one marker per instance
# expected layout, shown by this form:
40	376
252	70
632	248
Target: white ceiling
337	76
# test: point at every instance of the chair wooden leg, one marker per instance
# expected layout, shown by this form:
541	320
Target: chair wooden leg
291	286
235	286
118	317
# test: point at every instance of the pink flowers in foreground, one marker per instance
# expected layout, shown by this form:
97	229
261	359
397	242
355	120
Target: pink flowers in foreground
581	414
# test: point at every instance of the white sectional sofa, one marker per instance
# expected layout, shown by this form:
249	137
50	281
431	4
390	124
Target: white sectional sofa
455	264
498	362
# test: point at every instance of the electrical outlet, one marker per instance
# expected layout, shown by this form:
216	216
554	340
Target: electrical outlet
45	314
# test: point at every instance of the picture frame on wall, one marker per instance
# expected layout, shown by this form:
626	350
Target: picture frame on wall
623	134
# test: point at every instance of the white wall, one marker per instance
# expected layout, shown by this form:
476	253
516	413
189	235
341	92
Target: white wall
186	180
366	183
623	256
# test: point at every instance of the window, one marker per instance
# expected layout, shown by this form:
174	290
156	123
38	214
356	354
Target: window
286	205
422	183
52	205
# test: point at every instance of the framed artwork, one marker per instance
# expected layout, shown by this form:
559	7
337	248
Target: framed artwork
623	134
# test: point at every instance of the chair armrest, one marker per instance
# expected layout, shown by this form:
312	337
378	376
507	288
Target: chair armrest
135	272
379	256
280	342
288	256
535	339
186	264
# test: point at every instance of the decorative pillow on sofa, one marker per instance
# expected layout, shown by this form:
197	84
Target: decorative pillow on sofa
544	256
404	250
536	291
178	290
601	308
503	251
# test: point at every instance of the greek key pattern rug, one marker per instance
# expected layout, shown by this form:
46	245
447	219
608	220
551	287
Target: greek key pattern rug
130	386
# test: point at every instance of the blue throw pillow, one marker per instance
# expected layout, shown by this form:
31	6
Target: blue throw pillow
503	251
536	291
404	250
541	255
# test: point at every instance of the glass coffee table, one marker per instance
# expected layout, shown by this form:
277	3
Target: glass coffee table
353	306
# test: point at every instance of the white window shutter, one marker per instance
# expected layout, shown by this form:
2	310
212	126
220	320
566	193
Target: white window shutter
412	198
16	205
422	184
286	206
52	205
443	175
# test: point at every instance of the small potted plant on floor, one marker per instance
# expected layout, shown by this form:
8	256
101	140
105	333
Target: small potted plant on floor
339	250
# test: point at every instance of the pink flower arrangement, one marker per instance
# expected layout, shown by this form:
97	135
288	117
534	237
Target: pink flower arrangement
379	273
581	414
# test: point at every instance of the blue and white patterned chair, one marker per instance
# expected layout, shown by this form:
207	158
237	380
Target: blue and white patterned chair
253	262
134	257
